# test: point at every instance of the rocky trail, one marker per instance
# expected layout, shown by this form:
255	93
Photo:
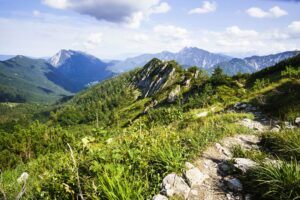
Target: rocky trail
208	178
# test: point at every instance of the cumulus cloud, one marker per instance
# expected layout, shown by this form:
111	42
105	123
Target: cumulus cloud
131	12
274	12
93	40
170	31
237	32
295	27
206	7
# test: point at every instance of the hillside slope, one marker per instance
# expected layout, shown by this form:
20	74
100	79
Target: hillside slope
254	63
120	138
27	80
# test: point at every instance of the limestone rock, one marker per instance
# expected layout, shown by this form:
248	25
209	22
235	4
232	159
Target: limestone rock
244	164
174	94
234	184
195	177
175	185
189	165
202	114
223	150
276	129
297	121
252	124
160	197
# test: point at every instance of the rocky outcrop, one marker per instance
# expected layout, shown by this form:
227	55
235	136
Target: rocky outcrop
194	177
155	76
174	185
174	94
244	164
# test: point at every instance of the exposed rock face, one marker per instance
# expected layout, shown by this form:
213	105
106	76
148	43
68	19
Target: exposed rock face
173	96
155	76
195	177
244	164
174	185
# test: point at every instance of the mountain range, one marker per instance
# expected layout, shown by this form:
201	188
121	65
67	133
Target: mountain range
189	56
192	56
68	72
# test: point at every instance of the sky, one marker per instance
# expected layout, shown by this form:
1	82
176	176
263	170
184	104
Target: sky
116	29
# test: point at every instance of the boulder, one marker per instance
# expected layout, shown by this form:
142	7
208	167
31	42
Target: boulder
189	165
234	184
160	197
297	121
195	177
276	129
224	167
288	125
175	185
244	164
202	114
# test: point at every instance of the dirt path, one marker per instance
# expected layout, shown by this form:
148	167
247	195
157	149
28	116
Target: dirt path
213	163
207	178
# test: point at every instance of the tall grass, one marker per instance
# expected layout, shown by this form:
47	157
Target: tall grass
274	181
284	144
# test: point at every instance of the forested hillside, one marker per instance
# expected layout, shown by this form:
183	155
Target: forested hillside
120	138
24	79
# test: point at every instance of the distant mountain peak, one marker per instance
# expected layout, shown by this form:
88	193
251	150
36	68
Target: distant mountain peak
60	57
188	56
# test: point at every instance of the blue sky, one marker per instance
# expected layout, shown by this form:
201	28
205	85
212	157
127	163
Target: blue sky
115	29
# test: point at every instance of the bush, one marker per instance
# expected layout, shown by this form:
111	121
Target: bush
291	72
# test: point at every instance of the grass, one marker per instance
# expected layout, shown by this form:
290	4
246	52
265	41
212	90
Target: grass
279	179
132	166
256	155
284	144
274	182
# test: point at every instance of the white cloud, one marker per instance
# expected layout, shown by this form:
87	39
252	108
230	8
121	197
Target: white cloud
36	13
278	12
171	31
140	37
274	12
206	7
237	32
294	27
60	4
93	40
136	19
161	8
130	12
